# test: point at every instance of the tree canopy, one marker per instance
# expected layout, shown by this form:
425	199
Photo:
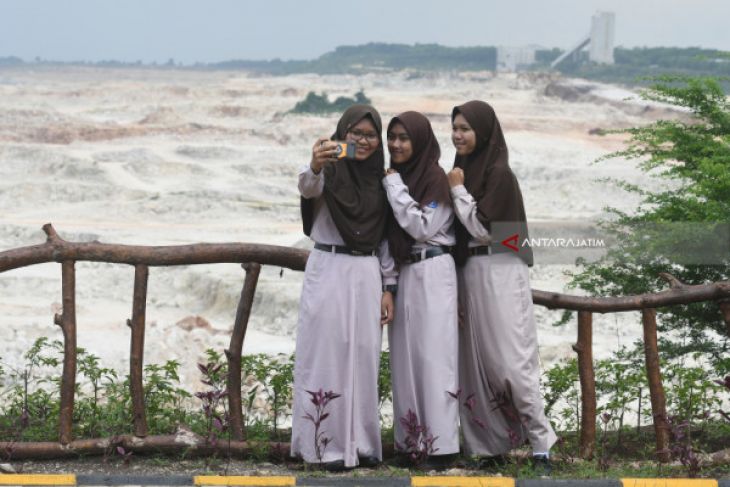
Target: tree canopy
682	227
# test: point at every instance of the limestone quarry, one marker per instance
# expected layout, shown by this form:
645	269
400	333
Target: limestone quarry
170	156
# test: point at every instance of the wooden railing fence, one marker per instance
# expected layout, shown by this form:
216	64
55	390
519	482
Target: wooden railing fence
252	257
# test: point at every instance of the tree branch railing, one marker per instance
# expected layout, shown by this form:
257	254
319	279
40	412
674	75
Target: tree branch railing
252	257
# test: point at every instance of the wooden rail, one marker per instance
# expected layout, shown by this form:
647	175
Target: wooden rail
252	257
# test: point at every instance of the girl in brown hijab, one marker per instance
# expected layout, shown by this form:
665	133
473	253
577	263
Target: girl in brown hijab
423	338
343	305
498	360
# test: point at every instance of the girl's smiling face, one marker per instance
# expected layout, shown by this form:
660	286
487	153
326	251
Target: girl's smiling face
399	144
463	136
366	138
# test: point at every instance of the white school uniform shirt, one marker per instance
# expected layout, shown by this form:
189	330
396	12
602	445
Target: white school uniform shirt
325	231
466	211
429	225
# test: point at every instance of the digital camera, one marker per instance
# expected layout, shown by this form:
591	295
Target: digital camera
345	150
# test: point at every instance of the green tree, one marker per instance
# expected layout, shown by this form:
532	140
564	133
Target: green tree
674	224
314	103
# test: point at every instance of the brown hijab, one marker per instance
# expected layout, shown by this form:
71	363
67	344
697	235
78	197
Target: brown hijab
489	179
352	190
426	181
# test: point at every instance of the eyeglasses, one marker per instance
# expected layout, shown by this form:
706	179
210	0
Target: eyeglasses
359	134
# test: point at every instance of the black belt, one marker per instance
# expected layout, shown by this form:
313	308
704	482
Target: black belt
428	253
340	249
481	250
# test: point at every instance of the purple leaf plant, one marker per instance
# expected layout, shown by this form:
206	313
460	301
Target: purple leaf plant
419	442
321	400
124	454
681	448
503	402
470	404
213	401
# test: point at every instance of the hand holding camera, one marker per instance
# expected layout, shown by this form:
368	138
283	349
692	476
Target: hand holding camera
326	150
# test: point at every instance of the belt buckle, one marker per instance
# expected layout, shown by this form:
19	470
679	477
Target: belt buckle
357	253
418	256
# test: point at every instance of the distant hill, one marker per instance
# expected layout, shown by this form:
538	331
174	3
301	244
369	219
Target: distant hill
378	56
10	61
631	64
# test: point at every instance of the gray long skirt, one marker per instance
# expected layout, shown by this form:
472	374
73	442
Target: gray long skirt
498	360
338	349
423	351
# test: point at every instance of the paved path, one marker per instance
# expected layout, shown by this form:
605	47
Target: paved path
416	481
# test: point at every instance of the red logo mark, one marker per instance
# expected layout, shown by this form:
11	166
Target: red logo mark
511	242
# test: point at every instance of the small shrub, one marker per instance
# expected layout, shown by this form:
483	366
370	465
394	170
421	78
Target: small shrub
419	442
275	376
320	400
314	103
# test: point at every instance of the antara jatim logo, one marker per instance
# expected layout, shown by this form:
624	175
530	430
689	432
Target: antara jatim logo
511	242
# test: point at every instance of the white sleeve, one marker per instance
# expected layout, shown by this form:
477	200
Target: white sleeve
388	269
420	223
465	208
310	185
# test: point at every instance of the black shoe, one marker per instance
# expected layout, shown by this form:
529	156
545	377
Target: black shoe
368	461
485	463
438	462
541	466
401	460
491	463
335	466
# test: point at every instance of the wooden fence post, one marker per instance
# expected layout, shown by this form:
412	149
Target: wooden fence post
235	349
67	321
584	349
136	353
656	389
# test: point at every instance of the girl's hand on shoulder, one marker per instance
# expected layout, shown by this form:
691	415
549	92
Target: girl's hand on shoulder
456	177
323	151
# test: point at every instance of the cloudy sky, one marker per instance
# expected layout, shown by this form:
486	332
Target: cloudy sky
216	30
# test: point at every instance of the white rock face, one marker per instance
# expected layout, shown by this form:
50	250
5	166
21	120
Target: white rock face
166	157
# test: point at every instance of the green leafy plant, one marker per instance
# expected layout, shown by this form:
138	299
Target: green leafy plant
691	390
681	222
91	417
276	377
385	387
622	388
562	389
165	400
32	401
